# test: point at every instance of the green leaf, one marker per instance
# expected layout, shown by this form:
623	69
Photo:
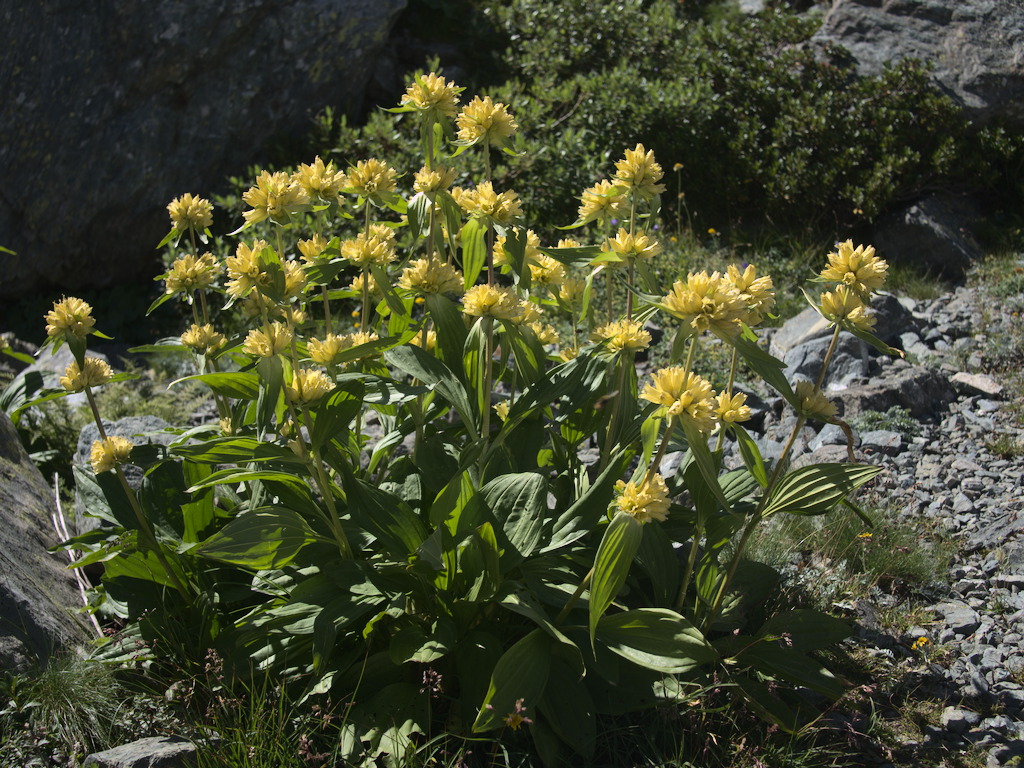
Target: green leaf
474	250
769	706
265	538
657	639
792	666
705	462
583	516
521	673
384	515
815	489
767	367
479	563
751	455
432	372
806	630
237	384
413	642
271	394
227	450
612	563
198	513
450	329
519	502
569	709
332	416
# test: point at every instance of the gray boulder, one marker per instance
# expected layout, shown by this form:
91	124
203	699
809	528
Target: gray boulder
976	46
933	234
154	752
110	110
38	596
924	392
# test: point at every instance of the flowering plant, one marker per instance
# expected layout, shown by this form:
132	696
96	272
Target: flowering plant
448	490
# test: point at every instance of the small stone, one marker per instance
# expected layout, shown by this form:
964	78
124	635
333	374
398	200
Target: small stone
959	720
975	384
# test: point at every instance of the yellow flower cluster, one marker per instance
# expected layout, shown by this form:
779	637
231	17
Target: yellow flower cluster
857	268
433	179
93	373
843	304
261	344
312	250
107	454
190	273
430	276
320	181
757	294
683	395
433	94
202	338
70	318
547	271
813	403
644	502
640	172
545	332
494	301
485	120
603	202
245	270
631	247
276	196
707	302
732	409
307	386
623	336
190	212
328	351
484	202
375	247
371	178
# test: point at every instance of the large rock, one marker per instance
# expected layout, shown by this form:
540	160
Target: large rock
38	597
933	234
110	110
976	46
154	752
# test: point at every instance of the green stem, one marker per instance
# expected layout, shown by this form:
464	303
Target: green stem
485	420
617	395
728	391
575	597
327	309
828	357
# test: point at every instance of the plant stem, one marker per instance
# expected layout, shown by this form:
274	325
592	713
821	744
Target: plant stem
575	596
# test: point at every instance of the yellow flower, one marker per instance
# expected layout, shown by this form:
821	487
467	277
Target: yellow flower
920	643
294	279
260	344
326	352
502	410
684	395
93	373
639	171
644	502
356	286
485	120
565	354
245	270
638	246
545	332
307	386
377	247
432	94
623	336
484	202
858	268
547	271
106	454
843	305
602	202
69	318
371	178
732	409
492	301
756	293
202	338
190	212
433	179
430	276
813	403
313	249
190	273
568	242
275	197
706	302
357	339
319	180
571	291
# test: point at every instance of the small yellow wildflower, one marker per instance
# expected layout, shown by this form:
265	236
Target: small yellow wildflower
920	643
859	268
706	302
320	181
531	251
545	332
630	247
202	338
565	354
93	373
373	248
70	318
547	271
106	454
430	276
492	301
260	344
245	270
623	336
483	202
640	172
294	279
602	202
190	212
502	410
433	179
757	294
307	386
190	273
276	197
312	250
732	409
326	352
813	403
684	395
371	178
571	291
434	95
356	286
844	304
485	120
644	502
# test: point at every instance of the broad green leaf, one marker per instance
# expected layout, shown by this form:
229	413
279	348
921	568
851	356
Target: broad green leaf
450	329
520	674
265	538
751	586
236	384
524	603
414	642
384	515
479	563
661	562
583	516
519	502
657	639
432	372
806	630
235	475
474	250
198	513
569	709
764	701
332	416
227	450
792	666
395	713
767	367
705	462
612	563
817	488
751	455
271	395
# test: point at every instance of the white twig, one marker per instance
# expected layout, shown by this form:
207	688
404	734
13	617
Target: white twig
61	526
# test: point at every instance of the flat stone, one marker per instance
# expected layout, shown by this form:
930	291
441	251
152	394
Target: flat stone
975	384
155	752
960	617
